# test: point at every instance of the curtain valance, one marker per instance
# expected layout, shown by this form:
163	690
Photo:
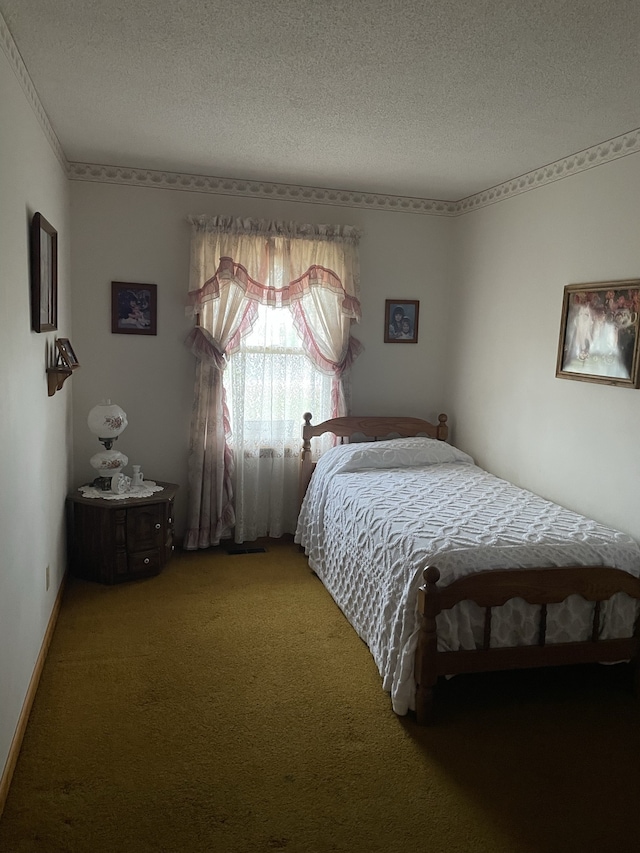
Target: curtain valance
273	263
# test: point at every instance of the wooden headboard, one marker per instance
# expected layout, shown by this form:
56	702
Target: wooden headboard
372	428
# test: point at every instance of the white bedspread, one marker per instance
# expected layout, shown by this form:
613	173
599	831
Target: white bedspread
375	514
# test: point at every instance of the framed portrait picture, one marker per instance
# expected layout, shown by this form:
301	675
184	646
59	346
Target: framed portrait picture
134	308
401	321
599	340
44	275
66	353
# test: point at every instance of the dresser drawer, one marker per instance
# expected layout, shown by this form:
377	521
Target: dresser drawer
145	562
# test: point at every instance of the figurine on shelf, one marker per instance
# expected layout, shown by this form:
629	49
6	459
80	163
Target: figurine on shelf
138	477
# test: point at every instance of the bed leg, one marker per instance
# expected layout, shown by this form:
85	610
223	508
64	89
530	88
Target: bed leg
426	673
424	705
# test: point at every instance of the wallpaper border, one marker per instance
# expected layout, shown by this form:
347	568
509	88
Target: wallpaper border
257	189
16	62
589	158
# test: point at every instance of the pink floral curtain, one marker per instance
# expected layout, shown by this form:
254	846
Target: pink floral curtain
235	265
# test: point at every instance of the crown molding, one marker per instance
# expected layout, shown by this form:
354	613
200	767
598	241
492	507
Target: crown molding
589	158
256	189
12	53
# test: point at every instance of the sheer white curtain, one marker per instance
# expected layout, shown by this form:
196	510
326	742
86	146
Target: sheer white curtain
274	304
270	382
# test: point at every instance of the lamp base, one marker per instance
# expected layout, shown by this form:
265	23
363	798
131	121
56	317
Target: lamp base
102	483
107	463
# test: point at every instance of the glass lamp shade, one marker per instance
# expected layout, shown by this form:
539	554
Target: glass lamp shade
107	421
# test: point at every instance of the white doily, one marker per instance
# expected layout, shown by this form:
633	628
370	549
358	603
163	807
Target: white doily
147	488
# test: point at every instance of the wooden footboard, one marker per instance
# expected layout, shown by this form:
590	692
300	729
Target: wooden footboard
540	587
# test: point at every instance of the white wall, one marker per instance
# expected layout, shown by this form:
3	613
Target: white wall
140	234
35	449
574	442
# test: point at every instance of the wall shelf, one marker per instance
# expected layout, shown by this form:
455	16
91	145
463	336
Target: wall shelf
66	363
56	377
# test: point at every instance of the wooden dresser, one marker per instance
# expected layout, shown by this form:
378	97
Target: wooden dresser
120	540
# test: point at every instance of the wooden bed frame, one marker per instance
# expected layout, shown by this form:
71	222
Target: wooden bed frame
540	586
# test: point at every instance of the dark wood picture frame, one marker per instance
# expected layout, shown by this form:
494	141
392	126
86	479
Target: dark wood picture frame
66	353
44	275
134	308
401	321
600	333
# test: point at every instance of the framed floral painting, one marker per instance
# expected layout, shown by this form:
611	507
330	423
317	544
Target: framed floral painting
599	333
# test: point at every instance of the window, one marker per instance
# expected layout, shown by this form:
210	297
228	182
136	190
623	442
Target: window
270	383
254	382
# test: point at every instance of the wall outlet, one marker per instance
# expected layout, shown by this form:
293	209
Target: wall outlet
46	576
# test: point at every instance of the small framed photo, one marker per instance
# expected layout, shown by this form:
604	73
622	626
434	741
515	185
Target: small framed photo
599	334
44	275
134	308
401	321
66	353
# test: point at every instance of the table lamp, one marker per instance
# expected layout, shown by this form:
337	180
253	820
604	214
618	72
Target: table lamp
107	421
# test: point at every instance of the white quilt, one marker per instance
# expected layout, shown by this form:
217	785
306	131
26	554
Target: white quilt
375	514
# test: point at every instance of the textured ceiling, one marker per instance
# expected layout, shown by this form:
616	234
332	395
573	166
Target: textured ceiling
427	98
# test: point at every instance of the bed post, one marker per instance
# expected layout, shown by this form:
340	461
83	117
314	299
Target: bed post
442	430
426	673
306	464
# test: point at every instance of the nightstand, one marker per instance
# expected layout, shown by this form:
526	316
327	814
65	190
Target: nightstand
120	540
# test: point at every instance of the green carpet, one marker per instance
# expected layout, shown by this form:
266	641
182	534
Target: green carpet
226	705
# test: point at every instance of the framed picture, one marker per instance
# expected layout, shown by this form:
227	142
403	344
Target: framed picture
401	321
67	355
134	308
599	340
44	275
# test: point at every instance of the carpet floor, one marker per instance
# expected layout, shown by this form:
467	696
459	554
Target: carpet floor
226	705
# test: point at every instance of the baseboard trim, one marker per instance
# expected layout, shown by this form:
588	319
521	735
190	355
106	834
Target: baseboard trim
16	743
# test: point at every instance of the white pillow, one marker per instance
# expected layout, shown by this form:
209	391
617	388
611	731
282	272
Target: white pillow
401	453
